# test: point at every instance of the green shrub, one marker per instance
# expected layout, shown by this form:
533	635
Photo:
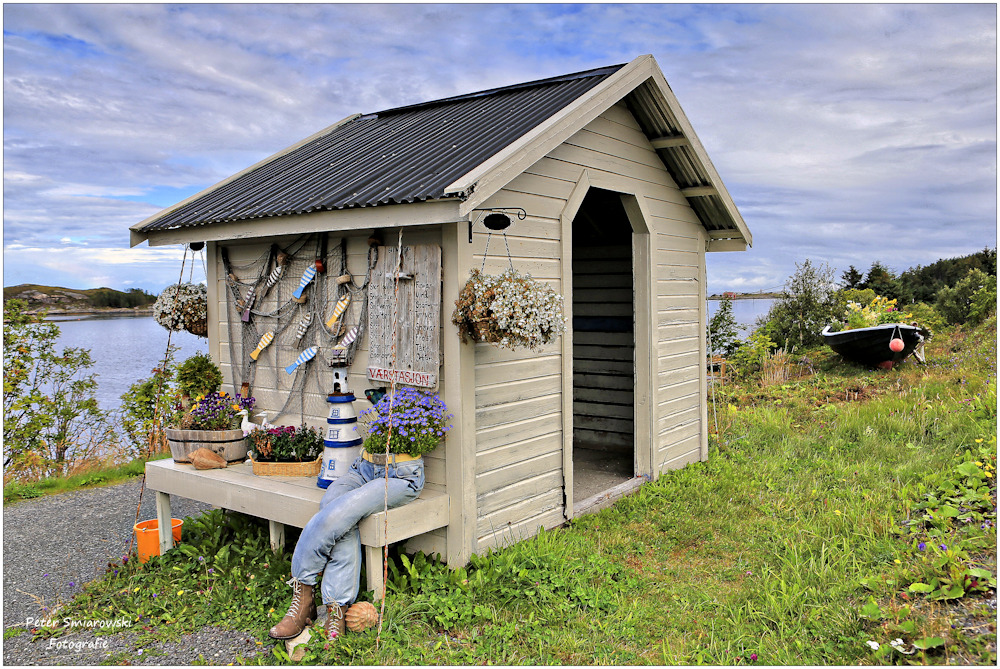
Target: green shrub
971	300
198	375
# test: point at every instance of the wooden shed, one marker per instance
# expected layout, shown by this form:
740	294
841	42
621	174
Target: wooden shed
615	204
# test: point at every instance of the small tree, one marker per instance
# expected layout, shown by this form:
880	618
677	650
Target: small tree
851	278
883	281
50	411
799	315
723	331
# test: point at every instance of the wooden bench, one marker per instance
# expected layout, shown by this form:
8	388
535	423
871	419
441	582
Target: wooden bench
287	500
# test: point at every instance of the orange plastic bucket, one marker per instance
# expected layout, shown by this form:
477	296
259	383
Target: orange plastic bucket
147	537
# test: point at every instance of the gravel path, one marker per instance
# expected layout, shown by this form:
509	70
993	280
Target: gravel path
54	544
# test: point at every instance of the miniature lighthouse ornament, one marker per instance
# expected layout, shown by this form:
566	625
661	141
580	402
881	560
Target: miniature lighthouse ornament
338	356
307	276
303	358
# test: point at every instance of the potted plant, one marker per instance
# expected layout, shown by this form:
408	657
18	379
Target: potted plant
511	310
413	421
213	422
286	451
198	375
183	306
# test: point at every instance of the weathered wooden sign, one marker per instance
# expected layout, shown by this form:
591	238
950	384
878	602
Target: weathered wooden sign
418	316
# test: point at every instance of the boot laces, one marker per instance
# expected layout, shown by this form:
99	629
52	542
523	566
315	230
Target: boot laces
293	610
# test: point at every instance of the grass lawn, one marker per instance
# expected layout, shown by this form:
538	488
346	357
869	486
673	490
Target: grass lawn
837	513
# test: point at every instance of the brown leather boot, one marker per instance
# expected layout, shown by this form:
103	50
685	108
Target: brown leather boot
301	612
336	623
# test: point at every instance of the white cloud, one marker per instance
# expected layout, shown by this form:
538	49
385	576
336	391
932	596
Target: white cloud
846	132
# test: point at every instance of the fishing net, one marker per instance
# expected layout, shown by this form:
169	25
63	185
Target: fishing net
295	326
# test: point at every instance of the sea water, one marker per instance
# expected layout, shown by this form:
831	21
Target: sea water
125	349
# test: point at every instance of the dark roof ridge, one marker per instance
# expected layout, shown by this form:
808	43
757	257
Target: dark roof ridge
596	72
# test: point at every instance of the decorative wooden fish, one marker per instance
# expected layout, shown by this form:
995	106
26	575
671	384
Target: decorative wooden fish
338	355
307	276
303	326
248	303
339	310
264	341
275	275
303	358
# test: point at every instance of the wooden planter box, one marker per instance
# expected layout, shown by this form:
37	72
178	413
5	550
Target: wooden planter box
230	444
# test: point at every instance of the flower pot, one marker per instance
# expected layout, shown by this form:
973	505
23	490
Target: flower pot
230	444
286	468
147	537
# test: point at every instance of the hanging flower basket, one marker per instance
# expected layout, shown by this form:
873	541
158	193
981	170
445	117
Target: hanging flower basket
511	310
183	306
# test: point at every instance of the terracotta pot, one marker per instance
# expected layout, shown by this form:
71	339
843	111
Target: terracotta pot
230	444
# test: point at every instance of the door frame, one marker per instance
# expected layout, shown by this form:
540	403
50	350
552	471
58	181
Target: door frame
644	297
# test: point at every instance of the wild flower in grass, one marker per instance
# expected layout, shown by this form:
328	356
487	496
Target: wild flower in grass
873	645
922	546
753	657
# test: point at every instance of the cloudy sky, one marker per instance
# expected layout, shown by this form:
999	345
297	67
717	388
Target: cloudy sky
845	133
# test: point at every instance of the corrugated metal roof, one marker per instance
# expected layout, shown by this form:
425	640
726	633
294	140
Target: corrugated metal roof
406	154
684	165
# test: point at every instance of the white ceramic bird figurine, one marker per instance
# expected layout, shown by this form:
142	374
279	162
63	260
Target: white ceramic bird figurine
264	425
245	424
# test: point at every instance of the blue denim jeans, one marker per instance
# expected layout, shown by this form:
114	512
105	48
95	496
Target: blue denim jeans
330	543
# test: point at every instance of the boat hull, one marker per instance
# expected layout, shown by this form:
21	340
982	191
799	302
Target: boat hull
870	346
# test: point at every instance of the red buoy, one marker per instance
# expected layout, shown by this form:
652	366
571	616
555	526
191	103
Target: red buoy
896	345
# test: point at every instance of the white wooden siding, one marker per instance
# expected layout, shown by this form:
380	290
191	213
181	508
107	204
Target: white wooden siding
518	404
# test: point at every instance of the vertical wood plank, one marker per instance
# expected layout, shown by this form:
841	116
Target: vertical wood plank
163	522
645	346
566	249
703	346
374	570
277	532
459	389
212	261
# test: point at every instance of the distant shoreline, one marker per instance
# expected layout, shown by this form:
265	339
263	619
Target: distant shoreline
747	296
110	311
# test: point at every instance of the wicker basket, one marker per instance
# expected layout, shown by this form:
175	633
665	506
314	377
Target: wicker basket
287	468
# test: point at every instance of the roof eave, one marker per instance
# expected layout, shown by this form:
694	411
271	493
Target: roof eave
430	212
477	185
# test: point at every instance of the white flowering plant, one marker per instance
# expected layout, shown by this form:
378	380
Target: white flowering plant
511	310
182	306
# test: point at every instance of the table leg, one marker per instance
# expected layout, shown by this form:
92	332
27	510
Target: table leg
277	531
164	522
373	565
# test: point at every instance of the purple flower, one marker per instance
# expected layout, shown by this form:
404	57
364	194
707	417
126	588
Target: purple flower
943	547
753	657
921	546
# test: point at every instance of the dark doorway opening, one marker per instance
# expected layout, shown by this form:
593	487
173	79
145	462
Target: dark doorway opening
603	347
